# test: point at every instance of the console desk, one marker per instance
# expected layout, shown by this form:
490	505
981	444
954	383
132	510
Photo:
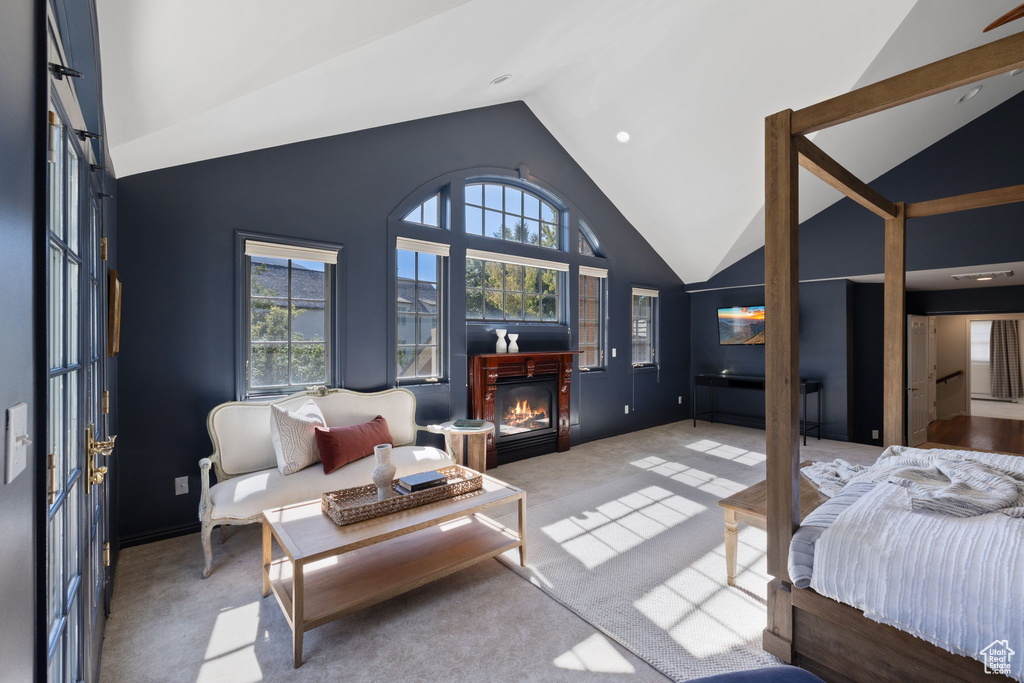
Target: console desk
755	383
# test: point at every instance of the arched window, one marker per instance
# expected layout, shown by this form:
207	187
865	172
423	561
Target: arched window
588	244
428	213
511	213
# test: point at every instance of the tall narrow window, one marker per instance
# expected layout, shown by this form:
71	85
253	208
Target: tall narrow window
511	213
288	321
645	315
420	310
591	309
512	288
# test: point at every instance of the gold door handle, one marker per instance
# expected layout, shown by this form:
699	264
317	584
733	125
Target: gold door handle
93	447
95	478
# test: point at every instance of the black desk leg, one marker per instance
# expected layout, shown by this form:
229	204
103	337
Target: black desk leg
712	406
803	416
693	401
819	413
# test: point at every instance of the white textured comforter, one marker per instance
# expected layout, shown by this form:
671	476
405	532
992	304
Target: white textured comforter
953	581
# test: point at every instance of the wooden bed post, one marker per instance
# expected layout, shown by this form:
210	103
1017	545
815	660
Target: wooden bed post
782	370
895	349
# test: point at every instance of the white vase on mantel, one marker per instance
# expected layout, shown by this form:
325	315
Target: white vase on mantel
513	346
501	346
384	473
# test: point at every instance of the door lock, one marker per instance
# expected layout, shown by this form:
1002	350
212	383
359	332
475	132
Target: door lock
96	477
93	447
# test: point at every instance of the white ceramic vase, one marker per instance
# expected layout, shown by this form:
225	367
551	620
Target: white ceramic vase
513	347
384	473
501	346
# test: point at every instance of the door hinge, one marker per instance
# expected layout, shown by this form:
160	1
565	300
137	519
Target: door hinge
106	554
51	137
105	402
103	248
84	135
51	478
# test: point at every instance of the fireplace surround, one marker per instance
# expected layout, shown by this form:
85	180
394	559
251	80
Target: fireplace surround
526	396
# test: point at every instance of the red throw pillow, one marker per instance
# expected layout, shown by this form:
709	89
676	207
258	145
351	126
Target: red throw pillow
342	445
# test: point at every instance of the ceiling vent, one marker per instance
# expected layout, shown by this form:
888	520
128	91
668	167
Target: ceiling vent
982	277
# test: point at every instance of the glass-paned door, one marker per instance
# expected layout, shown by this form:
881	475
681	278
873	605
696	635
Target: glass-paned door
76	510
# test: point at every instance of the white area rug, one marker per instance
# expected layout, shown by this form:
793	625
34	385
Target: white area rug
642	558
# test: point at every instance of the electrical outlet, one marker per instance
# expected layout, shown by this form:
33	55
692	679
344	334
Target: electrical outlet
613	353
626	411
180	486
874	433
680	400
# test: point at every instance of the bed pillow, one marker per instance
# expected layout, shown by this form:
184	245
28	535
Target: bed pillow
294	438
341	445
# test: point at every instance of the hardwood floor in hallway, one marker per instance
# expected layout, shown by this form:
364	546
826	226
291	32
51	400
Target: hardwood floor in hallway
979	433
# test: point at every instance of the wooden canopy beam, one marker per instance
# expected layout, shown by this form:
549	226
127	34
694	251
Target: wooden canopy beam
782	370
964	202
895	316
961	69
815	160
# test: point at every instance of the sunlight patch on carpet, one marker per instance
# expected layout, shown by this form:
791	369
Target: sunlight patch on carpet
740	455
691	476
596	654
231	652
595	536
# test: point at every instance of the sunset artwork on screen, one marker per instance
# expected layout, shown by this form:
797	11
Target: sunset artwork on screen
741	325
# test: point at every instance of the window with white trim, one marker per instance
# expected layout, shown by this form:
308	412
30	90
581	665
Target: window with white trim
419	352
511	213
644	322
591	317
288	317
512	288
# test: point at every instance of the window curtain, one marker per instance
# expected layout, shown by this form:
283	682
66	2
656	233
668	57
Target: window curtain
1004	359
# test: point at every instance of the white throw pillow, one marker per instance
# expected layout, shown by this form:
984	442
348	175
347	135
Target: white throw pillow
294	436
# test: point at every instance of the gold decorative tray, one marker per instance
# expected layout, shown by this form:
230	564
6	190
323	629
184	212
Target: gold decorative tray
358	504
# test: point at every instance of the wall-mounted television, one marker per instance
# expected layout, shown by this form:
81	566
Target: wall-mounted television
741	325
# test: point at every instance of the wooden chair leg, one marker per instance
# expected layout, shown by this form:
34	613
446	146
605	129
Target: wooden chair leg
731	543
207	549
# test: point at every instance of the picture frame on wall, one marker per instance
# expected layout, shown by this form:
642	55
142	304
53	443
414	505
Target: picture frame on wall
114	316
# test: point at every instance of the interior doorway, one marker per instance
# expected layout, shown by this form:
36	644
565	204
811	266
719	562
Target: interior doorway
979	397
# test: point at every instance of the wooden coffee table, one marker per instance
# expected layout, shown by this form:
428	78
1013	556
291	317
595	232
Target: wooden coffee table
750	506
329	571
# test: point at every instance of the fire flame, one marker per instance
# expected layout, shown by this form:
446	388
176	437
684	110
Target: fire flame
523	413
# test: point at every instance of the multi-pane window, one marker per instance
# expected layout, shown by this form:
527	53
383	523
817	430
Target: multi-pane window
428	213
591	310
288	322
644	320
587	243
420	310
506	290
511	213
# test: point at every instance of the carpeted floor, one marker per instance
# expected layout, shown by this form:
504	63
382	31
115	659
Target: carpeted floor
625	531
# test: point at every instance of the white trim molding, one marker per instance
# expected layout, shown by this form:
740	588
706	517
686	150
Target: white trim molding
516	260
422	246
288	251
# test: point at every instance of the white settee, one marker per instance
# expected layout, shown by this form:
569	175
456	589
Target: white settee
248	480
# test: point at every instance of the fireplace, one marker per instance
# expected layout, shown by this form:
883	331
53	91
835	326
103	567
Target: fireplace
526	396
525	408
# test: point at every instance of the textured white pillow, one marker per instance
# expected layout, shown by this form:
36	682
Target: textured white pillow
294	436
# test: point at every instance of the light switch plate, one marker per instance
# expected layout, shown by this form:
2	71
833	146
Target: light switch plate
17	441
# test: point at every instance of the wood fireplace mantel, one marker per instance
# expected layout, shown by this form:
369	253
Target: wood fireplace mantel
486	368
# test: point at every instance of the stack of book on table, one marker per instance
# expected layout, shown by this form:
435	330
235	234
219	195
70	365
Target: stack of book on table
420	481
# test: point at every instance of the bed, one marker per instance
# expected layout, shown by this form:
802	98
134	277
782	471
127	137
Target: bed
805	627
955	582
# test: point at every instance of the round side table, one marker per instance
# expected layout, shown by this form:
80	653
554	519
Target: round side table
472	454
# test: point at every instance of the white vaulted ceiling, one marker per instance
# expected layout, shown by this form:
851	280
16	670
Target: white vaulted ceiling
691	80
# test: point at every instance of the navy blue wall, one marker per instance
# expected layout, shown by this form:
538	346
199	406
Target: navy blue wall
21	274
847	240
177	254
824	339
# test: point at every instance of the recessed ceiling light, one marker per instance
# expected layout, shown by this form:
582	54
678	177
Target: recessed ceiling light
1017	72
622	136
501	79
969	94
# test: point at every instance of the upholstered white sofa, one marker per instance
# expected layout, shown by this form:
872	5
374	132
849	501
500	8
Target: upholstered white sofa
248	480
